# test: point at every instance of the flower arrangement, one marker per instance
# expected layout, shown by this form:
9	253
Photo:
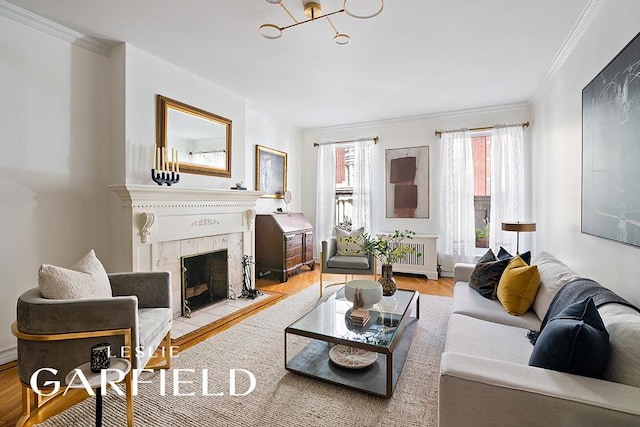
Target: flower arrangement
386	248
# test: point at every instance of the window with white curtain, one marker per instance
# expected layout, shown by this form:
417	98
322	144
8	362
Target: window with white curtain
345	170
481	148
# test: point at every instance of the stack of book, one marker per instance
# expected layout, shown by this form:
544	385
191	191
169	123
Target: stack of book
359	317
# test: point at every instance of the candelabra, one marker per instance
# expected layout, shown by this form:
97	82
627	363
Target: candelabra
165	177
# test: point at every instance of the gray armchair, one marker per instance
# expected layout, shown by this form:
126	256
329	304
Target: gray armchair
59	334
334	263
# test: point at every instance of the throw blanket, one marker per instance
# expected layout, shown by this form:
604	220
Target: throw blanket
574	291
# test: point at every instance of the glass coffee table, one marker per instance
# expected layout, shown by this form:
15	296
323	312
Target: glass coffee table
387	334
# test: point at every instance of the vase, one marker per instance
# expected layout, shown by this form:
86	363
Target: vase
387	281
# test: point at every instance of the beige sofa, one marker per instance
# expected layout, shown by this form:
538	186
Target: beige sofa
485	379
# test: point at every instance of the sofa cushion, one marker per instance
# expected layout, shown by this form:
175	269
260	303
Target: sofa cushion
504	254
623	325
575	341
486	275
349	248
86	279
475	337
348	262
553	275
518	286
468	302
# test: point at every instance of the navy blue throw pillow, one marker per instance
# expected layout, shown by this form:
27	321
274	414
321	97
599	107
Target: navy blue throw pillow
503	254
575	341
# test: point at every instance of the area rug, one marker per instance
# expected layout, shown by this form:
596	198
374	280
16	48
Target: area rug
280	398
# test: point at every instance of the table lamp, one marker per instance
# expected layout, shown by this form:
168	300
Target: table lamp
518	227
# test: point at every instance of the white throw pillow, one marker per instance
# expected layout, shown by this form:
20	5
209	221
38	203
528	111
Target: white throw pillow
554	274
346	248
86	279
623	325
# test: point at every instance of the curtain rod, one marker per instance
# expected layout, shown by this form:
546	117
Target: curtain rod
375	141
439	132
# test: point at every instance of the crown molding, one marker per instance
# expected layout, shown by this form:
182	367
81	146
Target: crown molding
581	26
45	25
443	114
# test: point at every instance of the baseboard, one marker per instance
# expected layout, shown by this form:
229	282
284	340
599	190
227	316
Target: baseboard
8	355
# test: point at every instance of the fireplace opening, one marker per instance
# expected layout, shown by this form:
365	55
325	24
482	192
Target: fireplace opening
204	280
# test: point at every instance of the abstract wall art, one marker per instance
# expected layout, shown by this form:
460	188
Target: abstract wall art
611	149
407	182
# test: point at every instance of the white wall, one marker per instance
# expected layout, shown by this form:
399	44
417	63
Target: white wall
148	75
557	151
269	132
410	132
56	123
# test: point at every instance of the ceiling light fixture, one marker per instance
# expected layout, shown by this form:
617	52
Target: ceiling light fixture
313	11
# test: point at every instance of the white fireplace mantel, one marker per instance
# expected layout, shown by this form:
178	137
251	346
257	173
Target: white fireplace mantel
156	225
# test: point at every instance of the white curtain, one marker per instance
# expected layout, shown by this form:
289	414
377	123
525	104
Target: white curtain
457	237
507	184
363	177
325	193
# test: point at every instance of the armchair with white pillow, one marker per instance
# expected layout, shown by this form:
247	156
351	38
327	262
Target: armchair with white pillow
72	310
339	257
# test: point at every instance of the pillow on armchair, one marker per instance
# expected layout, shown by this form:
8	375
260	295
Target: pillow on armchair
347	248
85	279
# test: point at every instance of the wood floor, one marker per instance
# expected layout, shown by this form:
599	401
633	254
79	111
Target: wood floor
10	393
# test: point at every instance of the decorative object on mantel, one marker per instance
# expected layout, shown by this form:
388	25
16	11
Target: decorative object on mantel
165	171
313	11
239	186
387	249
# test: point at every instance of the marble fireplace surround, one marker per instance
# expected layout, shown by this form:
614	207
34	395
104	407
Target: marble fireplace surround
156	226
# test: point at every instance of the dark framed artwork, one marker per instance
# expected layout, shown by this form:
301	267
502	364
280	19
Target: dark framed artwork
407	182
611	149
271	172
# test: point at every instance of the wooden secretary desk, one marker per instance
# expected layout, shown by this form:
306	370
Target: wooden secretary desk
284	243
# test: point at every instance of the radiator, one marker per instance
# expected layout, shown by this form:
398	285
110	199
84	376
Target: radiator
426	264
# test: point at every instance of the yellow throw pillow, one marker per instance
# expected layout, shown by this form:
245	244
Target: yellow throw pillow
518	286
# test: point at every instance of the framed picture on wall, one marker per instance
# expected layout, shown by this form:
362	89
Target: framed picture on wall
611	149
407	182
271	172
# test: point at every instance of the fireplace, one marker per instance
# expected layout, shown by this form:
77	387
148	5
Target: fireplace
158	227
205	280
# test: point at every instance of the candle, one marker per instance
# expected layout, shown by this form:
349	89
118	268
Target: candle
177	163
164	158
155	158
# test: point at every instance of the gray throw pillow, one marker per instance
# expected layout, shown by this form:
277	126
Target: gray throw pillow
486	275
86	279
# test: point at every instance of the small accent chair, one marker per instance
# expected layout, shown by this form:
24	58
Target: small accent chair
334	263
58	334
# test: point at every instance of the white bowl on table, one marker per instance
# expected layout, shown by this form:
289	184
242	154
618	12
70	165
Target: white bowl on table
370	289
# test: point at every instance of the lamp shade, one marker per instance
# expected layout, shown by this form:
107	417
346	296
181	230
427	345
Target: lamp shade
519	226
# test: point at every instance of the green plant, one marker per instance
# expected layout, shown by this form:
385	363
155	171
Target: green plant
482	233
385	247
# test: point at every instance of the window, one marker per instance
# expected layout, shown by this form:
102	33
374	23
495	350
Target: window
344	186
481	147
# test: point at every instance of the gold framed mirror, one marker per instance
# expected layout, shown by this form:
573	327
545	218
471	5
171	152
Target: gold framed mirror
201	139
